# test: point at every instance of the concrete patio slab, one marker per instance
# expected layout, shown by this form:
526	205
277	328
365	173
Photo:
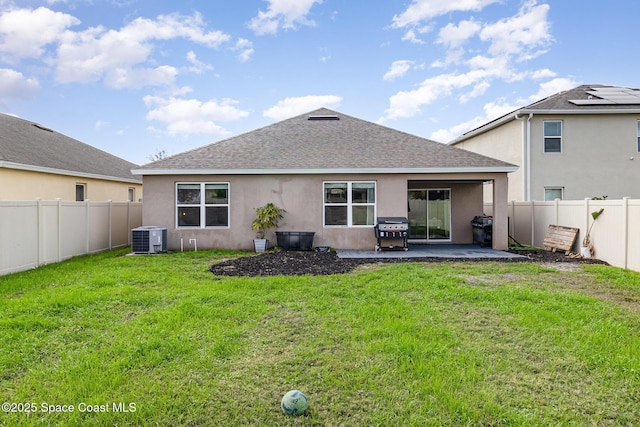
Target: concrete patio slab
430	251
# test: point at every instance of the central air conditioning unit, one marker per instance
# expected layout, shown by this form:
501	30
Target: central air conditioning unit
149	240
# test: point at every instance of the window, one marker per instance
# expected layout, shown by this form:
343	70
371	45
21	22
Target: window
349	204
553	137
552	193
81	192
202	204
132	194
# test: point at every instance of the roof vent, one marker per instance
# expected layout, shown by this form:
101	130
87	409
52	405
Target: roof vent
42	127
323	117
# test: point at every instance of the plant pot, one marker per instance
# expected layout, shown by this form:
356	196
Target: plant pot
295	240
585	251
260	245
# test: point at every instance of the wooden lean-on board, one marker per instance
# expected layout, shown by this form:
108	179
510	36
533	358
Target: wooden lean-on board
559	237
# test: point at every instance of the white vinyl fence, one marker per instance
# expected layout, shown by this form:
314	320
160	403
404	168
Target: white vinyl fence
615	235
34	233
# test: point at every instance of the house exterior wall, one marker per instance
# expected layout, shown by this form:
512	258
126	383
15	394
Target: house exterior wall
599	155
502	143
302	198
595	159
27	185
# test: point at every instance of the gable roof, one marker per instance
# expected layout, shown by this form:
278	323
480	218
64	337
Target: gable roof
324	141
29	146
585	99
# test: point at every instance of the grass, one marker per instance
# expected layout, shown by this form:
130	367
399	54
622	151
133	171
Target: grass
461	344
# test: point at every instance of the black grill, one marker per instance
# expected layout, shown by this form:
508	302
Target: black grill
482	230
393	229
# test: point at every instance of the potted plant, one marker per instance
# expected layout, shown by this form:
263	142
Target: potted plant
587	250
267	217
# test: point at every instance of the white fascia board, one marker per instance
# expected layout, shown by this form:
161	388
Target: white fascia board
42	169
495	169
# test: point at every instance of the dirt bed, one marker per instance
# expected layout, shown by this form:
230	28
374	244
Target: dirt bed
290	263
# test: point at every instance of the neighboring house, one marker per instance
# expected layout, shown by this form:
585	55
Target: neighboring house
577	144
333	174
37	162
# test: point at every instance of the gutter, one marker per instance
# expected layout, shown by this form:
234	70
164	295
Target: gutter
526	155
492	169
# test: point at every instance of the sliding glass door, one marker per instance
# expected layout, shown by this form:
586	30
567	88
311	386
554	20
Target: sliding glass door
430	215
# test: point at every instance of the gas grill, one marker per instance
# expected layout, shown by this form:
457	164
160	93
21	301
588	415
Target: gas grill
482	230
392	228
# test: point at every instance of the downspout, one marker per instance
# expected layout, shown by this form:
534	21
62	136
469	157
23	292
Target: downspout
526	158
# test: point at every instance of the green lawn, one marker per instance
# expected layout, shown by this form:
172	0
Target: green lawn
462	344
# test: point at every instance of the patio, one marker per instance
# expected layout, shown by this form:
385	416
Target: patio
430	251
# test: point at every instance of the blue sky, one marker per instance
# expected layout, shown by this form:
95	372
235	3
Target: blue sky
135	77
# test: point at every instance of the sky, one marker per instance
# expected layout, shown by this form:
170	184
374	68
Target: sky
139	78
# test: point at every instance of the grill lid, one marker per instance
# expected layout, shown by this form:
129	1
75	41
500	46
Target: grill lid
392	220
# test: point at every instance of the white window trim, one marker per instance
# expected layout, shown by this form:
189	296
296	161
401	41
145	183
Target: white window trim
203	206
544	137
450	239
349	204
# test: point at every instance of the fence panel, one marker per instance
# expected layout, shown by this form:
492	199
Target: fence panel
614	236
19	231
41	232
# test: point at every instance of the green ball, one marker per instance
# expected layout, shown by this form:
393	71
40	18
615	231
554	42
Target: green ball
294	402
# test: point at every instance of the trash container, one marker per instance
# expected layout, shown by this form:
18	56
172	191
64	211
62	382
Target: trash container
482	230
295	240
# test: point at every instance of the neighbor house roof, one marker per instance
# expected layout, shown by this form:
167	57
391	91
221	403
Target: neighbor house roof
585	99
29	146
324	141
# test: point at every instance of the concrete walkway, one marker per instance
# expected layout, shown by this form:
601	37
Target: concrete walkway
430	251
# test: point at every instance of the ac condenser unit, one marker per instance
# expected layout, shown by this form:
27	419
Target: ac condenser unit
149	240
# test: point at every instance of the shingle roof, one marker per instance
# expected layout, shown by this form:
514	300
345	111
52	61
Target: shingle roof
30	145
593	97
328	141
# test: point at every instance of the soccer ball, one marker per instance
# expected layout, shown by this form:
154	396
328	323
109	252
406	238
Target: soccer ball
294	402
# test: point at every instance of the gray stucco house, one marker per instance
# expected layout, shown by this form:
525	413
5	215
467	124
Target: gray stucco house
577	144
333	174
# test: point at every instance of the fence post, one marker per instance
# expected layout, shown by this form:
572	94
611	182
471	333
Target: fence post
533	223
39	232
129	223
625	225
110	219
59	234
88	226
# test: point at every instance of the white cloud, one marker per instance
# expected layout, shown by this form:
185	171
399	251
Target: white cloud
453	36
543	74
523	35
424	10
191	116
290	107
246	50
24	33
284	14
197	66
118	56
398	69
507	42
14	84
408	103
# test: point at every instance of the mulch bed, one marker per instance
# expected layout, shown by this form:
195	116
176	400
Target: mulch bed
291	263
